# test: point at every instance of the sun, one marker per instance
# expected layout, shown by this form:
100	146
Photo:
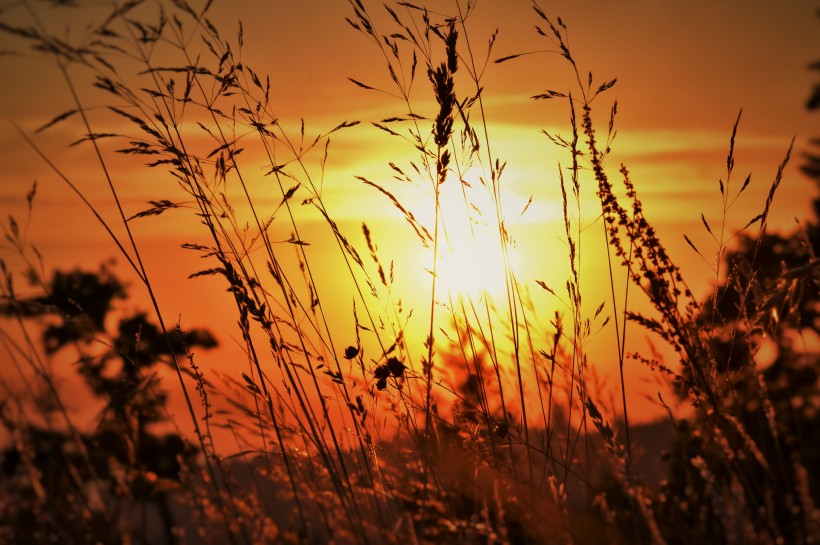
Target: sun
471	260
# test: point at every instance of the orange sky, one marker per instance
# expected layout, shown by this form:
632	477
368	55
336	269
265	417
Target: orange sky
684	70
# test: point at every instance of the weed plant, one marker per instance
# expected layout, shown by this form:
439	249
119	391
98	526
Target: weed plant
488	430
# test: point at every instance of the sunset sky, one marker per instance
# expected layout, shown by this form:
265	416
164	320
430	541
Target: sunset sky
684	70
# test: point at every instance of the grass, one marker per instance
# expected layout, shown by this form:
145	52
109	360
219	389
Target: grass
490	429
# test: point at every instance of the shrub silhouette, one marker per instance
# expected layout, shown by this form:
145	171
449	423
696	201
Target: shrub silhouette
121	455
768	301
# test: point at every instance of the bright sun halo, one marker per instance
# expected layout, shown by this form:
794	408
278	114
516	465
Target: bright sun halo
470	256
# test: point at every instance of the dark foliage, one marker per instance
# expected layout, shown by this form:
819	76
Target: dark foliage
51	469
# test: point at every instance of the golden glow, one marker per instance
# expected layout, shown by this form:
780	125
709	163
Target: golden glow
471	258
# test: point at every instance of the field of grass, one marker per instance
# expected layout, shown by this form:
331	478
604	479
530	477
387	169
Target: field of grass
341	425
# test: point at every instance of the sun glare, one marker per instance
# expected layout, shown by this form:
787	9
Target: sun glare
471	259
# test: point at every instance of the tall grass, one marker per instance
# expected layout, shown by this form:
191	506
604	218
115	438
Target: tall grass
489	429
